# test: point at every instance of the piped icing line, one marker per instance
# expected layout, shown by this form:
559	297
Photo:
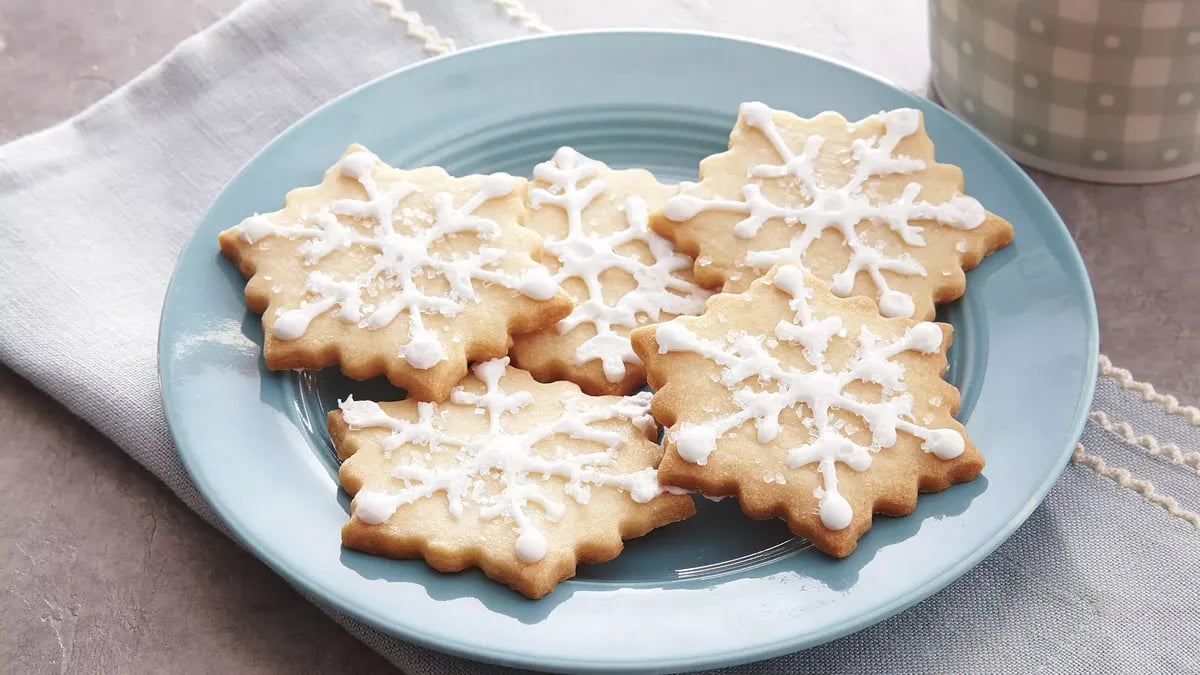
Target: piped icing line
1147	442
1127	480
746	360
1148	393
586	256
401	259
841	207
521	470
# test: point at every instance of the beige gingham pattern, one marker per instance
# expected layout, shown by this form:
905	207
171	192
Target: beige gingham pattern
1103	85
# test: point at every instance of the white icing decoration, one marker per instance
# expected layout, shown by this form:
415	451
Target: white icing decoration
586	256
746	360
842	207
402	259
520	472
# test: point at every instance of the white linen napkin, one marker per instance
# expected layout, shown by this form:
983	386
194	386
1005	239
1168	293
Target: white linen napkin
94	211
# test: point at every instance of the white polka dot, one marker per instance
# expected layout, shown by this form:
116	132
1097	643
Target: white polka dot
1030	81
1193	38
1186	98
1037	25
969	105
1099	155
1107	100
1029	139
967	48
1112	41
1171	154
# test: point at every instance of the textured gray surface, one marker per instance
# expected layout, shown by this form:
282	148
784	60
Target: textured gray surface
101	569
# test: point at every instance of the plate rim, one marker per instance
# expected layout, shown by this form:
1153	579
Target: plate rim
466	648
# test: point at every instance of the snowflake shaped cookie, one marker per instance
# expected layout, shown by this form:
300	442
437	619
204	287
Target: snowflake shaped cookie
864	206
406	273
521	479
620	274
806	406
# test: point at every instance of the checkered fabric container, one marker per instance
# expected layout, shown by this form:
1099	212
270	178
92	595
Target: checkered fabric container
1104	90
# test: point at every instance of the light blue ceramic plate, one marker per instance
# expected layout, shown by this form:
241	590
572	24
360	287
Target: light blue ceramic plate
718	589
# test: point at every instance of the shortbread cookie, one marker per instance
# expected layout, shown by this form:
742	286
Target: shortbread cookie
863	206
807	407
406	273
620	274
521	479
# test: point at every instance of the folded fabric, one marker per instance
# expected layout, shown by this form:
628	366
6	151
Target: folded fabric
94	212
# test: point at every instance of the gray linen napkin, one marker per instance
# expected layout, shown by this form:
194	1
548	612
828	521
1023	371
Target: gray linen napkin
94	211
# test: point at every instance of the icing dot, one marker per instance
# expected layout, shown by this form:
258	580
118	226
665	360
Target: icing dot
1193	38
1030	81
925	337
894	303
254	228
1186	98
966	48
373	508
969	105
1171	154
835	511
531	546
645	486
903	122
537	284
944	443
789	279
695	442
497	185
1107	100
755	113
361	413
357	164
671	336
682	207
291	324
1112	41
1029	139
424	352
842	283
1099	155
1037	25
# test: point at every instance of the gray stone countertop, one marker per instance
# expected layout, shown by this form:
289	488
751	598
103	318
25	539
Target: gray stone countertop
103	570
